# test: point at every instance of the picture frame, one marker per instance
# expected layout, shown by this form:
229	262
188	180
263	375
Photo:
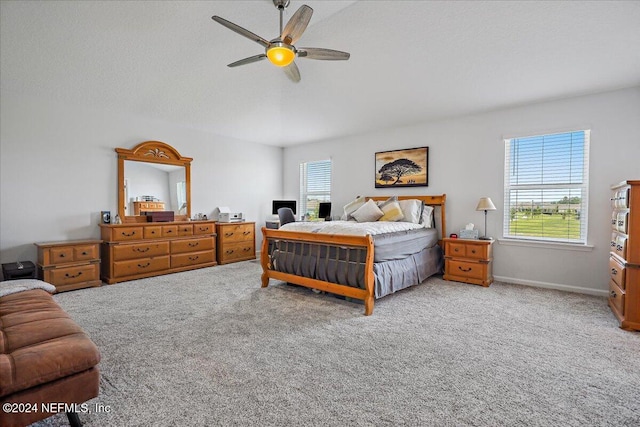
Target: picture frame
105	217
408	167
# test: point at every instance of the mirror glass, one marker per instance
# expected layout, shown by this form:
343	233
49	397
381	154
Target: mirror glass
153	176
165	185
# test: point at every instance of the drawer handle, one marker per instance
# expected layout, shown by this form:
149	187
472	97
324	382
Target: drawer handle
73	276
133	233
230	251
62	255
145	265
462	269
619	247
142	250
153	232
228	234
204	229
613	294
193	244
614	271
194	258
455	250
169	231
613	244
473	251
246	233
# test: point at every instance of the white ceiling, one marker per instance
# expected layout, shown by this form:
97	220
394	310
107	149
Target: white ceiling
411	61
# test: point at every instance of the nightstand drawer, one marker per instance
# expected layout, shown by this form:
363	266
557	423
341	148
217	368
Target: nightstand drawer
236	233
470	270
467	249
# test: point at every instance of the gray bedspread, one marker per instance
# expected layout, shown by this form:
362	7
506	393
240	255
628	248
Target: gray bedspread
406	259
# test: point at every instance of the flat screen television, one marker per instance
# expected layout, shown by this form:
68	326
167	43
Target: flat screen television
277	204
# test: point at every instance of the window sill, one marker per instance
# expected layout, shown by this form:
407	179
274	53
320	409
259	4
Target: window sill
546	245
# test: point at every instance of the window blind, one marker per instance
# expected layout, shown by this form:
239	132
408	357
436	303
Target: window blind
546	187
315	186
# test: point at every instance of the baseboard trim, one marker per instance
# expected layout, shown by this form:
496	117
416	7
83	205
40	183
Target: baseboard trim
556	286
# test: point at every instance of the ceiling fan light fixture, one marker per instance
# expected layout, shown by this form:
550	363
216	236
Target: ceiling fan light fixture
281	54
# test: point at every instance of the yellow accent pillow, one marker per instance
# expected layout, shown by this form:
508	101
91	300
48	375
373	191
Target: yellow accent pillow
392	212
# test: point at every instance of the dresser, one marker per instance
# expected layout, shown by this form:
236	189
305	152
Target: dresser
69	265
137	250
624	256
236	241
139	207
468	261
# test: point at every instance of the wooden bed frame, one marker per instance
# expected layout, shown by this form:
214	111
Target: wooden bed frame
364	243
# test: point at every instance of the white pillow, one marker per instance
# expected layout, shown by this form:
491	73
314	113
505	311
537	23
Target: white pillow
412	210
368	212
426	219
351	207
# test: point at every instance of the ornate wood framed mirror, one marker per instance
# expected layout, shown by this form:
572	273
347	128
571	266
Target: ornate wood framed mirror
153	176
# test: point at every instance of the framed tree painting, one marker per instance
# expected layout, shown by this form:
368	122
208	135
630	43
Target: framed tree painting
402	168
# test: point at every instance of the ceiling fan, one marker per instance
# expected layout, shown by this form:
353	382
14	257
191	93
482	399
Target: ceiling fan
281	50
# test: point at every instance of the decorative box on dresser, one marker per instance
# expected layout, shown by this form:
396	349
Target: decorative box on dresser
138	249
69	265
236	242
624	258
468	261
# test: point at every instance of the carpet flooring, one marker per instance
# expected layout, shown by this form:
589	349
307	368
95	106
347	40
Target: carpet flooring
210	347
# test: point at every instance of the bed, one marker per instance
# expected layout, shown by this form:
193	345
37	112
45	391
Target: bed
365	261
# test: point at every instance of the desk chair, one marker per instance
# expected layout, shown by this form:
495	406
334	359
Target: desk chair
286	216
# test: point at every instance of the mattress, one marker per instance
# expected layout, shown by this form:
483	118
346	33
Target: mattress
392	240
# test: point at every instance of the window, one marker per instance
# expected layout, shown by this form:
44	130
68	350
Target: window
546	187
315	187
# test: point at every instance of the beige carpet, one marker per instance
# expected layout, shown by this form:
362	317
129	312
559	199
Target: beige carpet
210	347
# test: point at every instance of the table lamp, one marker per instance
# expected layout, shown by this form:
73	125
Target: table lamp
485	204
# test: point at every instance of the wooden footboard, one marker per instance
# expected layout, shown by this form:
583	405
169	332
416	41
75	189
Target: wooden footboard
358	243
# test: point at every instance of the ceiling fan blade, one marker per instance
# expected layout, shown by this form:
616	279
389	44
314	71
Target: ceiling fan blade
248	60
296	25
292	72
242	31
320	53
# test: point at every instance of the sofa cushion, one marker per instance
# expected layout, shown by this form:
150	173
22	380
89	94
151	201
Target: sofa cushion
39	342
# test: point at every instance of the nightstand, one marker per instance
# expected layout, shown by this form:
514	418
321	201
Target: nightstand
236	241
468	261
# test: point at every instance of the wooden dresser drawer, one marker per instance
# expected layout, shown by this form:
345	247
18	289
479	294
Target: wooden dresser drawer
140	250
192	258
127	233
617	272
207	228
192	245
616	297
169	230
65	277
185	230
619	245
237	232
140	266
152	232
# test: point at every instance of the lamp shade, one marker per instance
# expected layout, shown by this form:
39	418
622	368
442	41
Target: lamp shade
485	204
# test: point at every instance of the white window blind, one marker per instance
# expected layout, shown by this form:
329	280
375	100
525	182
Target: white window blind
315	186
546	187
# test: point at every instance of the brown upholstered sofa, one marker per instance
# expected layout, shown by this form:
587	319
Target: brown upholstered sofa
47	363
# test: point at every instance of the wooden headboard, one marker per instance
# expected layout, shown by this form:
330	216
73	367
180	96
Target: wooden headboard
435	201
